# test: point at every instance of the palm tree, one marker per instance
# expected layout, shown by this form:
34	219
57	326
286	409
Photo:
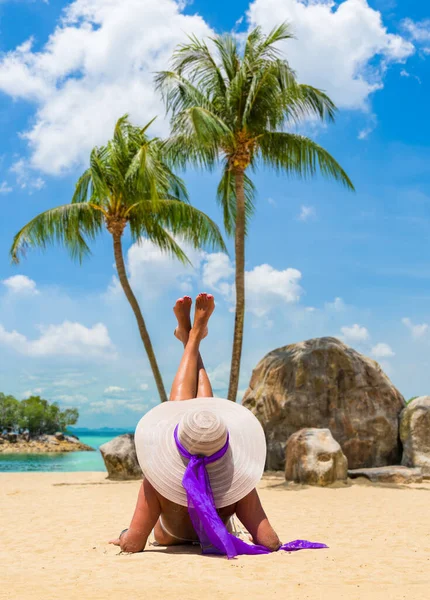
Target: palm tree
129	182
232	107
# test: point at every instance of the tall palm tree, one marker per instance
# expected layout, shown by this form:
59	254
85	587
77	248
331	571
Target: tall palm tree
231	106
129	182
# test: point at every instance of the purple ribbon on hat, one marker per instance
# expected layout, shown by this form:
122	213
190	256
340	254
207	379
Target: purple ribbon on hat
211	531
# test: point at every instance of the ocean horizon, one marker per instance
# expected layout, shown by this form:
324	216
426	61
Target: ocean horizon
66	461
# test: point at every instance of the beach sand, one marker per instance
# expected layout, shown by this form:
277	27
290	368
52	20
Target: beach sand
55	526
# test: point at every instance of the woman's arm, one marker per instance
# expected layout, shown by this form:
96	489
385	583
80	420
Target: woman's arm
145	516
251	513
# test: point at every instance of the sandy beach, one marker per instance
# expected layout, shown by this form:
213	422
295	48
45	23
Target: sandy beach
55	526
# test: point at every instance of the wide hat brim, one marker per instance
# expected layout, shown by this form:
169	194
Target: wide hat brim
232	477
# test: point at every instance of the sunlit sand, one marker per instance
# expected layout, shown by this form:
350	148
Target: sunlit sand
55	528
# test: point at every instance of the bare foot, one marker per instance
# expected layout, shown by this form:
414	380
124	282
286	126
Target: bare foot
205	305
182	310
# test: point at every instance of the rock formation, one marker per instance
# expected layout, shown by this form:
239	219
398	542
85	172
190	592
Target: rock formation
314	457
392	474
323	383
415	433
41	444
120	458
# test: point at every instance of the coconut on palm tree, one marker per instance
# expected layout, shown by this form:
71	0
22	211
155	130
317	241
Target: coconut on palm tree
129	182
231	106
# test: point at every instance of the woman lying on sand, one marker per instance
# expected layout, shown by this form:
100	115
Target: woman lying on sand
201	458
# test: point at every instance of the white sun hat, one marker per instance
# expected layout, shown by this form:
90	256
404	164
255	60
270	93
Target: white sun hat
203	425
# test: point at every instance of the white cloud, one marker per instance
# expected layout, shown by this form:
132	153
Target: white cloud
381	350
114	389
419	31
338	305
364	133
404	73
219	376
216	269
107	49
306	213
417	331
24	176
5	188
144	387
272	202
68	339
112	406
72	399
341	47
355	333
146	262
265	286
20	284
99	50
34	392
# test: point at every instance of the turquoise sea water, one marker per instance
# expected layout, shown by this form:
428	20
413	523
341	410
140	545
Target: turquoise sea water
70	461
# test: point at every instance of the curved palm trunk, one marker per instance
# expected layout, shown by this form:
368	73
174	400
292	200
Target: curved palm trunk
240	285
119	260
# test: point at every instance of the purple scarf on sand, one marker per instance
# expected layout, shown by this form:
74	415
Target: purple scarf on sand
211	531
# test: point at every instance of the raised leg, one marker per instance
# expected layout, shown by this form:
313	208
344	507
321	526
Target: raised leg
182	310
191	379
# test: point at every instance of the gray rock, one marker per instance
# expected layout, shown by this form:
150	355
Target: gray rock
323	383
426	472
11	437
415	433
59	436
392	474
120	458
314	457
72	439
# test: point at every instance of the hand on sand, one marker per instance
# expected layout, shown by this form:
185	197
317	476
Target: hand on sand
125	544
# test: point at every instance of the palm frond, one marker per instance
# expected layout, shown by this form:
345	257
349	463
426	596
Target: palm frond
299	155
70	225
304	101
82	187
228	52
162	239
180	93
183	149
180	219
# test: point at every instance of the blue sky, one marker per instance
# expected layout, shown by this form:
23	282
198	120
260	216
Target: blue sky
320	260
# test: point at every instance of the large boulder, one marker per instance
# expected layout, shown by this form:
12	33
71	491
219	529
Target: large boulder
325	384
120	458
314	457
415	433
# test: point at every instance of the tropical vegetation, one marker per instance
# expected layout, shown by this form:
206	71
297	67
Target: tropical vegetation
129	183
35	415
236	106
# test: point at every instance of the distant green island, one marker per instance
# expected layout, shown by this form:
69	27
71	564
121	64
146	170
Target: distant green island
34	415
35	425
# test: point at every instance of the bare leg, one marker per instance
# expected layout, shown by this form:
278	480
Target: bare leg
185	384
182	311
